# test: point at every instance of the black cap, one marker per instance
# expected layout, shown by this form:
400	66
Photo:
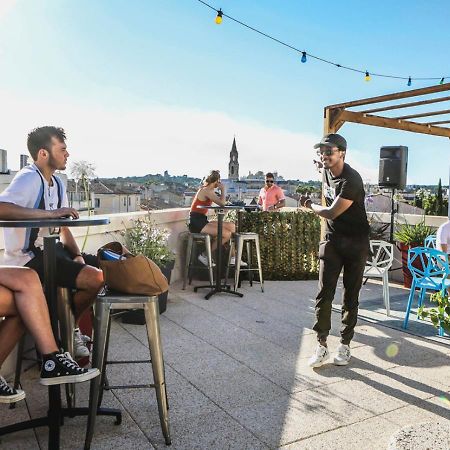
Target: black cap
333	140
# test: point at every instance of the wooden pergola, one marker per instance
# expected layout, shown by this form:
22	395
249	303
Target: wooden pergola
388	111
336	115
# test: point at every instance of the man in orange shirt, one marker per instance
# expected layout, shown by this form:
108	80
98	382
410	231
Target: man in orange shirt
271	196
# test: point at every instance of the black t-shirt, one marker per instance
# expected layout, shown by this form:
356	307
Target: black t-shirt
348	185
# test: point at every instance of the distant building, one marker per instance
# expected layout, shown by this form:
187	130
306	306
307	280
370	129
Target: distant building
233	165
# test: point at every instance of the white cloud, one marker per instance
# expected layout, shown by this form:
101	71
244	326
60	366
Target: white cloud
124	142
6	6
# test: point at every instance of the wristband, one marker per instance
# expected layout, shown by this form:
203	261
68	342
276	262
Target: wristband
78	254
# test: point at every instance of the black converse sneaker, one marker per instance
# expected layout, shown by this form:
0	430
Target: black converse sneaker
60	368
8	394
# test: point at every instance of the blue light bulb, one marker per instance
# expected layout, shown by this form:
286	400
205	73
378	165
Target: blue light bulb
409	81
303	57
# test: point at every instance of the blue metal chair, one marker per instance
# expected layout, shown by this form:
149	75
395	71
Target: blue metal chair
430	270
430	241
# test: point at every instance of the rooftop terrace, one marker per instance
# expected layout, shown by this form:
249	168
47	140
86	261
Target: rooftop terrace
237	377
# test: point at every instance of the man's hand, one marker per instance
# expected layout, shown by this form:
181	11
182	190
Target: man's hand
305	201
65	212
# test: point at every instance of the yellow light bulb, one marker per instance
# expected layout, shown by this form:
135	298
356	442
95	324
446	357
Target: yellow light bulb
219	17
367	77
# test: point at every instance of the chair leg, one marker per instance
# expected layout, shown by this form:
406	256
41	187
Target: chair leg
230	252
258	258
154	342
249	262
209	256
67	325
18	370
237	267
101	320
188	261
386	293
408	307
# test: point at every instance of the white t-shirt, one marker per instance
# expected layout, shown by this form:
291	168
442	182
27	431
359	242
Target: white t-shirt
27	189
443	236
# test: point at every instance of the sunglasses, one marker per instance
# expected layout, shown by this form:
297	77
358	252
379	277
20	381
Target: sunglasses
327	151
269	181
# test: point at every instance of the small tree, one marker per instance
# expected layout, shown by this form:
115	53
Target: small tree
440	201
83	172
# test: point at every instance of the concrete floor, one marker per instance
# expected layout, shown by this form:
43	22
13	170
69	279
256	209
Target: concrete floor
237	377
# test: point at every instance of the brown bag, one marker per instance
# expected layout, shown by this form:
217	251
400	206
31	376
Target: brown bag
131	274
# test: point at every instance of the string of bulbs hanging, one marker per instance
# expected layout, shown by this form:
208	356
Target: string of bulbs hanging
304	54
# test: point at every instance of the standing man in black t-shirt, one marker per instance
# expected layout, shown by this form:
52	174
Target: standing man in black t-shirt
346	246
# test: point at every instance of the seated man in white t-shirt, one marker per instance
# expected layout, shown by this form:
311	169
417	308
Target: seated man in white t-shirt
443	237
36	193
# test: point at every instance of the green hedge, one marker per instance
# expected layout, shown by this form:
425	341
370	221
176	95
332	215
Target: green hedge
289	243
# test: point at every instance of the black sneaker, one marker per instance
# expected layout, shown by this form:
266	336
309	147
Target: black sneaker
8	394
60	368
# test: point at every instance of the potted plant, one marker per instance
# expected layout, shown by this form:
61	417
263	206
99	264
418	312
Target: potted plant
440	315
410	236
146	238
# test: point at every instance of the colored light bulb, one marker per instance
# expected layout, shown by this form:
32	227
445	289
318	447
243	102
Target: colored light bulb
303	57
409	81
442	81
367	77
219	17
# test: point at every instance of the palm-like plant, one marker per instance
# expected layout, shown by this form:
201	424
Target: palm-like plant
83	172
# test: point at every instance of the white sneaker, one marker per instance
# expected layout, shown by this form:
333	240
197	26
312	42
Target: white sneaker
343	355
204	260
79	346
320	356
86	339
233	262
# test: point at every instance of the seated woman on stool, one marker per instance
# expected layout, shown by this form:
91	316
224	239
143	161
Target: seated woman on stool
23	305
198	221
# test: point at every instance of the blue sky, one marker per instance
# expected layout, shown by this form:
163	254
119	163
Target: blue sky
147	85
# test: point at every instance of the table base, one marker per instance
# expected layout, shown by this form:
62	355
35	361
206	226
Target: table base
222	289
65	412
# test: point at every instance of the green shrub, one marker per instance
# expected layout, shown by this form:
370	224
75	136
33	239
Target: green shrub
289	243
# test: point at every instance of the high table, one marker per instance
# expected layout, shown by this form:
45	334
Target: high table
55	414
218	288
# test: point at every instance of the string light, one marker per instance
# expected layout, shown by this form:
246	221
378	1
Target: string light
368	76
409	81
219	16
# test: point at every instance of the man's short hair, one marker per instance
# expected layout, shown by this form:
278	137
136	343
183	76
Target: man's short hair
41	137
269	175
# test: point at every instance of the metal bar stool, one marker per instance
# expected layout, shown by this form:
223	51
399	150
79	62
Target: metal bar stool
238	243
66	320
102	324
193	240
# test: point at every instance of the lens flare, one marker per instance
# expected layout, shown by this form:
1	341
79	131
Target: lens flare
392	350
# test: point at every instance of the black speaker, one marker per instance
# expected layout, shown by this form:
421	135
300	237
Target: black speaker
393	167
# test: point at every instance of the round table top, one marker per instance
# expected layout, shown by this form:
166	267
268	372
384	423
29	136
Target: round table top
54	223
226	207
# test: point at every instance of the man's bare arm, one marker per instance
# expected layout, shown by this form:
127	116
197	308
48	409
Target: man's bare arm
10	211
339	206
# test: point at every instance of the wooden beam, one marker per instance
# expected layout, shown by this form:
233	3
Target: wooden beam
385	122
425	114
405	105
438	123
395	96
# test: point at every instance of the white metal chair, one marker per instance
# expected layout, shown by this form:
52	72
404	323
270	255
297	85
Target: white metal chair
378	266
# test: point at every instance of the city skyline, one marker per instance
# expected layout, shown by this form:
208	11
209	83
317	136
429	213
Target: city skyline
156	85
